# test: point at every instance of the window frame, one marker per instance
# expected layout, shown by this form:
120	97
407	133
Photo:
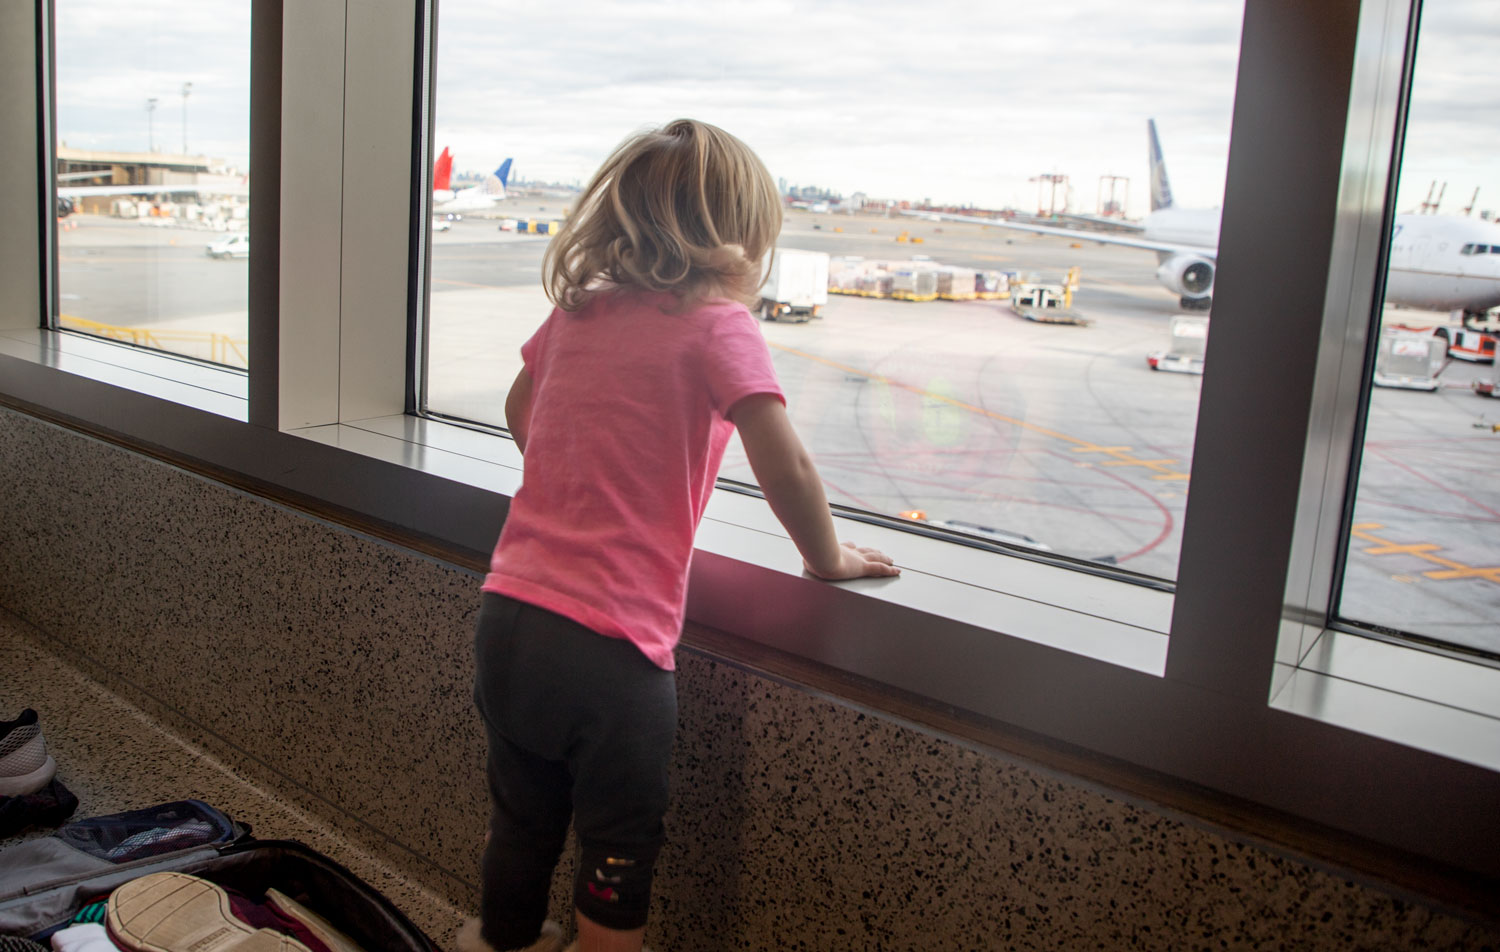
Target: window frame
336	292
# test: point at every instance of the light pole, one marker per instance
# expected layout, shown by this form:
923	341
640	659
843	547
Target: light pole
151	124
186	88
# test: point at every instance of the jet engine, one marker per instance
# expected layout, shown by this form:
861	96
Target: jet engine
1191	277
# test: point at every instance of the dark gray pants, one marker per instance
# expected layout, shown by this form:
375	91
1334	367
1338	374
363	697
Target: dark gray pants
578	724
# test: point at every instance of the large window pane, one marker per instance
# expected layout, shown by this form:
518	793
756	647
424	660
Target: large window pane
908	162
1424	547
153	132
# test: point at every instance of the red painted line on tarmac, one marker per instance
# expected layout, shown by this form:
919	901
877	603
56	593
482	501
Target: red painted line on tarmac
1428	479
1166	514
835	459
999	496
1461	516
847	494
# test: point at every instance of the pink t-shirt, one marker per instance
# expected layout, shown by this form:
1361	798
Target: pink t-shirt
626	434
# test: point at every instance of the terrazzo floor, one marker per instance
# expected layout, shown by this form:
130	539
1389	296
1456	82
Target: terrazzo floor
113	757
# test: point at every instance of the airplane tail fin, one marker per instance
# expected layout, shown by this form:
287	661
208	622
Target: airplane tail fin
442	171
503	173
1161	189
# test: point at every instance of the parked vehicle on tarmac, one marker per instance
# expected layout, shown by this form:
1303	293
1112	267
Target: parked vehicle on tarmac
796	289
1466	344
1189	343
230	246
1460	343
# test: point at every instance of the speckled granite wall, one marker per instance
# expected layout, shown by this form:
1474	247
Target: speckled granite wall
336	669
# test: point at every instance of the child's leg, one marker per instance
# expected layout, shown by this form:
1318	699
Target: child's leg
530	804
550	686
620	771
530	793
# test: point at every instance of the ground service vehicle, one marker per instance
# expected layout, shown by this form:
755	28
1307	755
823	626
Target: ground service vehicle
796	289
233	246
1189	343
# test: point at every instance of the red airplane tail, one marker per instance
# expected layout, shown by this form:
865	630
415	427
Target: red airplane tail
442	170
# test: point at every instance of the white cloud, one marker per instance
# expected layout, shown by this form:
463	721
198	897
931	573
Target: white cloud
959	101
113	57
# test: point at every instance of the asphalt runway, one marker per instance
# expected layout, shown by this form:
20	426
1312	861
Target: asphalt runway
960	409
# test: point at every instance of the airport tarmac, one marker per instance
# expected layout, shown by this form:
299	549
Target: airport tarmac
960	409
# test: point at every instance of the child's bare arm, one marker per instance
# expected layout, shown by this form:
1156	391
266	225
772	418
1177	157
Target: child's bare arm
518	409
790	481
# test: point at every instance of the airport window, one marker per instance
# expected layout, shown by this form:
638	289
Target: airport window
152	178
1005	310
1423	554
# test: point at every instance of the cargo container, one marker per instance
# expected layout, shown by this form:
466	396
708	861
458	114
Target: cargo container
992	285
957	284
1410	360
914	284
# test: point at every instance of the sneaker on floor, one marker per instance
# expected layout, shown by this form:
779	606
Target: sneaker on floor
469	939
175	912
25	765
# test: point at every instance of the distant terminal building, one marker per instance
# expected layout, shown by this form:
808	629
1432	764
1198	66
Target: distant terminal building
81	167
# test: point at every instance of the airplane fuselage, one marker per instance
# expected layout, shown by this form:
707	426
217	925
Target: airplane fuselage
1183	226
1444	263
1437	262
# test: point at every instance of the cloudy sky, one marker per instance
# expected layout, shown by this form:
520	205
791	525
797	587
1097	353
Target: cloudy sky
962	102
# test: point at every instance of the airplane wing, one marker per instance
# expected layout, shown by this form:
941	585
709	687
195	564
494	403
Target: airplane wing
80	191
1072	234
1109	224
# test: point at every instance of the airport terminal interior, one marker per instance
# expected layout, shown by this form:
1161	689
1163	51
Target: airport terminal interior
1155	344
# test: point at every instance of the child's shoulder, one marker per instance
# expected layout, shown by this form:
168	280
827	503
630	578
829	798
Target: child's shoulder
715	310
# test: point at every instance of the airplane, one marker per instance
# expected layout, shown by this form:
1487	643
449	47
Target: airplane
452	203
1437	262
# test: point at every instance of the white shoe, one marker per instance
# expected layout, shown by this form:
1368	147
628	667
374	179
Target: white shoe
469	939
25	765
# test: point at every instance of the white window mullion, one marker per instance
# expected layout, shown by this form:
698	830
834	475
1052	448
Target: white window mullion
378	128
312	135
21	300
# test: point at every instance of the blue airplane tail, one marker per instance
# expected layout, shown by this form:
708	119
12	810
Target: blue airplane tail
1161	189
503	173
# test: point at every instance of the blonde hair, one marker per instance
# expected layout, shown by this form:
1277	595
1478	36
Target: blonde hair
686	208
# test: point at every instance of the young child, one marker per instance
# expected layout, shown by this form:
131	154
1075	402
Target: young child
628	394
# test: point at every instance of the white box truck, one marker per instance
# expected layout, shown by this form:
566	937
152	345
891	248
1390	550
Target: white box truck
796	289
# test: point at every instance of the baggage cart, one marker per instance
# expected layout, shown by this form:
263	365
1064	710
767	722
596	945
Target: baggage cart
1189	342
1044	304
1409	360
